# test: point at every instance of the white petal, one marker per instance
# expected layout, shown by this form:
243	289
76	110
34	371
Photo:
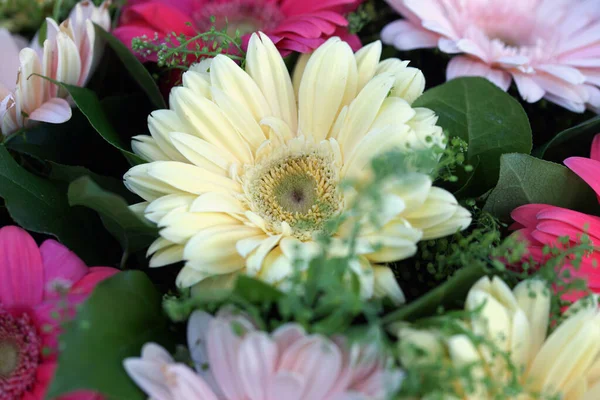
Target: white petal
367	60
386	285
190	178
363	110
265	65
231	79
202	153
328	84
209	123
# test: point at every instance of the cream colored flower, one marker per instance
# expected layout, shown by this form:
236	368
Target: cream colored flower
244	172
564	363
68	55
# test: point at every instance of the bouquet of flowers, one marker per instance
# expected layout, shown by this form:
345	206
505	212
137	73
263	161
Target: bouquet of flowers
299	199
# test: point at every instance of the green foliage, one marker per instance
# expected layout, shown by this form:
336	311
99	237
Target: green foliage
525	179
135	68
90	106
360	18
556	149
122	314
488	119
132	232
41	205
181	51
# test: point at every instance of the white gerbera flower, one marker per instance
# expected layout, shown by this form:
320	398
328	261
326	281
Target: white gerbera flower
242	174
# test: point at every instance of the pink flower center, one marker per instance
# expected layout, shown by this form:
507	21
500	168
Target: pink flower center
19	355
243	15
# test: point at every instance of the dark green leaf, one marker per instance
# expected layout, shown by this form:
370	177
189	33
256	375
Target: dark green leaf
555	148
525	179
40	205
256	291
122	314
138	72
90	106
68	173
488	119
450	294
132	232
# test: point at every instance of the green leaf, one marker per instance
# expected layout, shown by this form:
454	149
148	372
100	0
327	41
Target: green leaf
122	314
40	205
584	131
449	294
69	173
488	119
525	180
90	106
132	232
255	291
138	72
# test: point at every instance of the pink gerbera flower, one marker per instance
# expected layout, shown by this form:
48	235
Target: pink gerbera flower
233	361
550	48
33	283
69	55
293	25
541	224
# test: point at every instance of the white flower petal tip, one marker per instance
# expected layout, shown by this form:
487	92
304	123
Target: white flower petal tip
515	48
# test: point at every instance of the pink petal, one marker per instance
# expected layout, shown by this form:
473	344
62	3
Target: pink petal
318	360
187	385
61	263
149	377
95	275
587	169
404	35
257	361
465	66
595	152
295	7
567	74
527	215
286	386
580	221
21	269
529	90
547	239
197	331
54	111
288	334
10	60
223	346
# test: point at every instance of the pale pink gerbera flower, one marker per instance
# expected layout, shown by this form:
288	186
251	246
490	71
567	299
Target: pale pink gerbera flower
33	284
235	361
68	55
550	48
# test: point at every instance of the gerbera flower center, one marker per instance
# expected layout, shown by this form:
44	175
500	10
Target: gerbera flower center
298	191
246	16
19	355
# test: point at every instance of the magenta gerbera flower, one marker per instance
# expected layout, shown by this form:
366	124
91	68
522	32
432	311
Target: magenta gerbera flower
549	48
293	25
542	224
35	283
